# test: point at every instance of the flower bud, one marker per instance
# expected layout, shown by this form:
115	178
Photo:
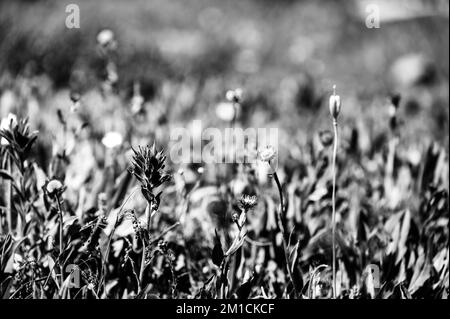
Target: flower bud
335	104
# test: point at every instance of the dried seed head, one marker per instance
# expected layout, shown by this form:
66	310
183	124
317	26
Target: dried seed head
335	104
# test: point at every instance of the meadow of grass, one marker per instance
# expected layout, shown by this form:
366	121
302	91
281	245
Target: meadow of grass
92	206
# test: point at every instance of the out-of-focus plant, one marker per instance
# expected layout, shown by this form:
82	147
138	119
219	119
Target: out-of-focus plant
335	109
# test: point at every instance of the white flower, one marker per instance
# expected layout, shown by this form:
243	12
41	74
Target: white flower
267	154
112	139
54	186
234	96
105	37
225	111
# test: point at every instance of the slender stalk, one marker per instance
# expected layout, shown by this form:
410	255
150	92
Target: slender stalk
108	245
61	243
333	200
283	233
141	271
8	196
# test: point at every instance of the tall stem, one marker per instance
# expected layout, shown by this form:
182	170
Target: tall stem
61	243
141	271
9	196
283	233
333	200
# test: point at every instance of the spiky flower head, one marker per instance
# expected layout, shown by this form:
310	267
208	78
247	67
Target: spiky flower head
335	104
248	202
148	168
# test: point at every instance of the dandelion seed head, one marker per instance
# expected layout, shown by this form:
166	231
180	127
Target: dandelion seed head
54	186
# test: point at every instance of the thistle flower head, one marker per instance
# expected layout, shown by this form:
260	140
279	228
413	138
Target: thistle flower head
248	202
335	104
148	168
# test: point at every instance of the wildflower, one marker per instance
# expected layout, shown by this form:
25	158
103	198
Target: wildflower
112	140
268	155
200	170
335	104
54	188
248	202
148	168
105	37
225	111
234	96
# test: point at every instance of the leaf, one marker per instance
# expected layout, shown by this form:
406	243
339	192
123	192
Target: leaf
244	290
404	232
217	253
68	221
5	175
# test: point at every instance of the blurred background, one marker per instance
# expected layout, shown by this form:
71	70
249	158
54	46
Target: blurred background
285	54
